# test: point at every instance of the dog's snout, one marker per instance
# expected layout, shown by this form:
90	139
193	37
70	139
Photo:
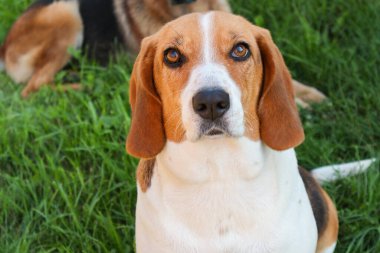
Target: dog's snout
211	104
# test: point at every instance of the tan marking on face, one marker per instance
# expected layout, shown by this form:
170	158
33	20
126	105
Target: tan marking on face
171	81
330	234
247	74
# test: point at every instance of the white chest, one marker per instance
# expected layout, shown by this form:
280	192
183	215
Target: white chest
233	196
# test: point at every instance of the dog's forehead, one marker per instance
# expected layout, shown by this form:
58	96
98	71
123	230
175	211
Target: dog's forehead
224	23
191	27
186	26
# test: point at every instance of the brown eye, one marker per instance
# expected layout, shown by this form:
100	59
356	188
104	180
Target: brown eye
240	52
173	58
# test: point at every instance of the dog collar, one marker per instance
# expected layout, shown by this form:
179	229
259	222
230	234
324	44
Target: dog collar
175	2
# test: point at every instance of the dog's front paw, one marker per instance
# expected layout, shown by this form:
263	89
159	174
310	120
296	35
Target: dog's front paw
306	95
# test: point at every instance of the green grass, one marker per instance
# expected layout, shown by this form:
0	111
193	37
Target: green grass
67	185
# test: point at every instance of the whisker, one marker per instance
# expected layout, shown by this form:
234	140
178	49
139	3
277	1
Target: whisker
177	128
174	115
249	117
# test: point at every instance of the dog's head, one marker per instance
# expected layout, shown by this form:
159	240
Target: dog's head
211	75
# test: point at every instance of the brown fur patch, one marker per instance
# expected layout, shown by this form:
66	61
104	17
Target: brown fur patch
36	46
318	204
307	94
324	210
2	52
280	125
146	136
330	235
145	172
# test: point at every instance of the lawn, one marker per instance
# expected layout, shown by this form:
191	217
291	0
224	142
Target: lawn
67	184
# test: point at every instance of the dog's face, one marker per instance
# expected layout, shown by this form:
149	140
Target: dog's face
211	75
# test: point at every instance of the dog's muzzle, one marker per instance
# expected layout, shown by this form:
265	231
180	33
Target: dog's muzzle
211	105
175	2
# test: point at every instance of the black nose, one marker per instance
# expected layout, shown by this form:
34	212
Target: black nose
211	104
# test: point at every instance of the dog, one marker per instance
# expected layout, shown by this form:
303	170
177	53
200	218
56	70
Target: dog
36	47
215	124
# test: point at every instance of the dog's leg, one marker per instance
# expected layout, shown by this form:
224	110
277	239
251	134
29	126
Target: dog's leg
306	95
45	74
37	45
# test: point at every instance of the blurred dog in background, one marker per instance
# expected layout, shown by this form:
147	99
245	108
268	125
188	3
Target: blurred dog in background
36	47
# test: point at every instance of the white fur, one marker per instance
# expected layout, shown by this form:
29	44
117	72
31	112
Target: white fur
225	195
79	40
330	249
334	172
206	23
21	70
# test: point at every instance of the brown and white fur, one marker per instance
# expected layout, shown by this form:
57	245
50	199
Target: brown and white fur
226	184
37	45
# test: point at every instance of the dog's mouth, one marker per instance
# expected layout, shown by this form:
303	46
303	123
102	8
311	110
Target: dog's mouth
176	2
214	129
214	132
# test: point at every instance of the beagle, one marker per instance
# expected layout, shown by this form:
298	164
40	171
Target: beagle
215	124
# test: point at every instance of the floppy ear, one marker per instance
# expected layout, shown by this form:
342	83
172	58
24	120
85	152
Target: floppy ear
280	125
146	137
